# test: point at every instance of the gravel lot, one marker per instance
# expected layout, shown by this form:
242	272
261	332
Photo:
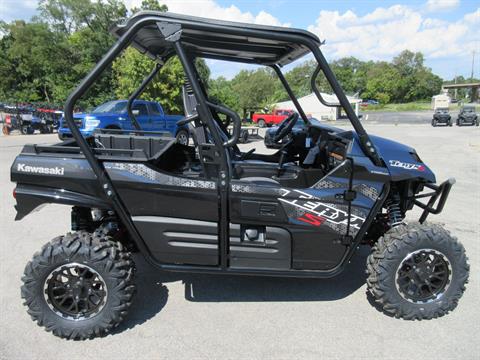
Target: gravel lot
208	317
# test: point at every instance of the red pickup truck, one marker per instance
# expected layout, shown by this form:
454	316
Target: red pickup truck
276	117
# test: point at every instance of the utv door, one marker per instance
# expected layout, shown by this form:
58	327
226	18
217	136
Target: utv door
176	216
283	227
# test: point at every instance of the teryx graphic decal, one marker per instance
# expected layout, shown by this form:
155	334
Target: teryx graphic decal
312	219
315	212
407	166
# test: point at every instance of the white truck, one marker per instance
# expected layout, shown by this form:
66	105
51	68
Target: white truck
440	101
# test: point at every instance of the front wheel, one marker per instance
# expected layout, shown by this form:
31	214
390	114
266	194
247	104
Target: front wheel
79	285
182	137
244	137
261	123
26	130
417	271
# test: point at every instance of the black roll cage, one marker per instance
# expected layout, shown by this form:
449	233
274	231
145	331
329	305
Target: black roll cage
137	93
172	33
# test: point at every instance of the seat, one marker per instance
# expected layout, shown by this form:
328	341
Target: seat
263	169
263	181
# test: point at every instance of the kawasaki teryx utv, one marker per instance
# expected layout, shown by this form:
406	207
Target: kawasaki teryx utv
468	116
301	212
441	116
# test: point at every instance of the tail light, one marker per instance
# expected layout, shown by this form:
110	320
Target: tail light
8	119
14	193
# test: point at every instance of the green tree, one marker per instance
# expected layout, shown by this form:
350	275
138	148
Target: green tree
82	27
29	63
415	82
255	88
382	82
150	5
351	73
220	90
132	67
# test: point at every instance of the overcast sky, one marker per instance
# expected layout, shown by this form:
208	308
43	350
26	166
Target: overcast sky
445	31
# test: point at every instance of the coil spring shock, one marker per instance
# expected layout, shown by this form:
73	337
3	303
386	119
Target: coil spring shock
393	210
188	85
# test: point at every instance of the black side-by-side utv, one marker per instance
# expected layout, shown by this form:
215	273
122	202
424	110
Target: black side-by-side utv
441	116
468	116
211	208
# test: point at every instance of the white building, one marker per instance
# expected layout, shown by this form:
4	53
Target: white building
313	107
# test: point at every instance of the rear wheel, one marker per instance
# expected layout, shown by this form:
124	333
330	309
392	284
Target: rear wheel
79	285
182	137
261	123
417	271
244	137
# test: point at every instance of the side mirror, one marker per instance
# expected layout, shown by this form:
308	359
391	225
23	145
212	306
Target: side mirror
135	112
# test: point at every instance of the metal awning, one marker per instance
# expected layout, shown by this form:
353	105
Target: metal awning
223	40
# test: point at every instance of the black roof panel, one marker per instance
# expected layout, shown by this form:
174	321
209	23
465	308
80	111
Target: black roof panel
225	40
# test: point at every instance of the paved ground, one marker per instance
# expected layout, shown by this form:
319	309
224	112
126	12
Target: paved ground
403	117
192	316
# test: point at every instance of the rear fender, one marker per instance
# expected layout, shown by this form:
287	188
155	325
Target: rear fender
30	197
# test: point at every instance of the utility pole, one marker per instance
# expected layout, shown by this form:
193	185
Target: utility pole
473	64
455	90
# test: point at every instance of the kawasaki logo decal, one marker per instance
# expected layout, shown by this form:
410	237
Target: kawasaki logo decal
41	169
407	166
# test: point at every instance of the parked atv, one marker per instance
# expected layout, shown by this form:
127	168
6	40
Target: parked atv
19	118
467	116
28	118
441	116
49	119
211	208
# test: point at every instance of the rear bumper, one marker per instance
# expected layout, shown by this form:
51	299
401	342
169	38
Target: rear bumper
442	119
467	121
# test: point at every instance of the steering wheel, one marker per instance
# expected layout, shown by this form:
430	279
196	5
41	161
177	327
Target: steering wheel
237	122
285	127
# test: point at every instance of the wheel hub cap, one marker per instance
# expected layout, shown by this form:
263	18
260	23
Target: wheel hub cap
75	291
423	276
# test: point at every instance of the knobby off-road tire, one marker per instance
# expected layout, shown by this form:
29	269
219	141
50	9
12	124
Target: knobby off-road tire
390	269
25	130
107	270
